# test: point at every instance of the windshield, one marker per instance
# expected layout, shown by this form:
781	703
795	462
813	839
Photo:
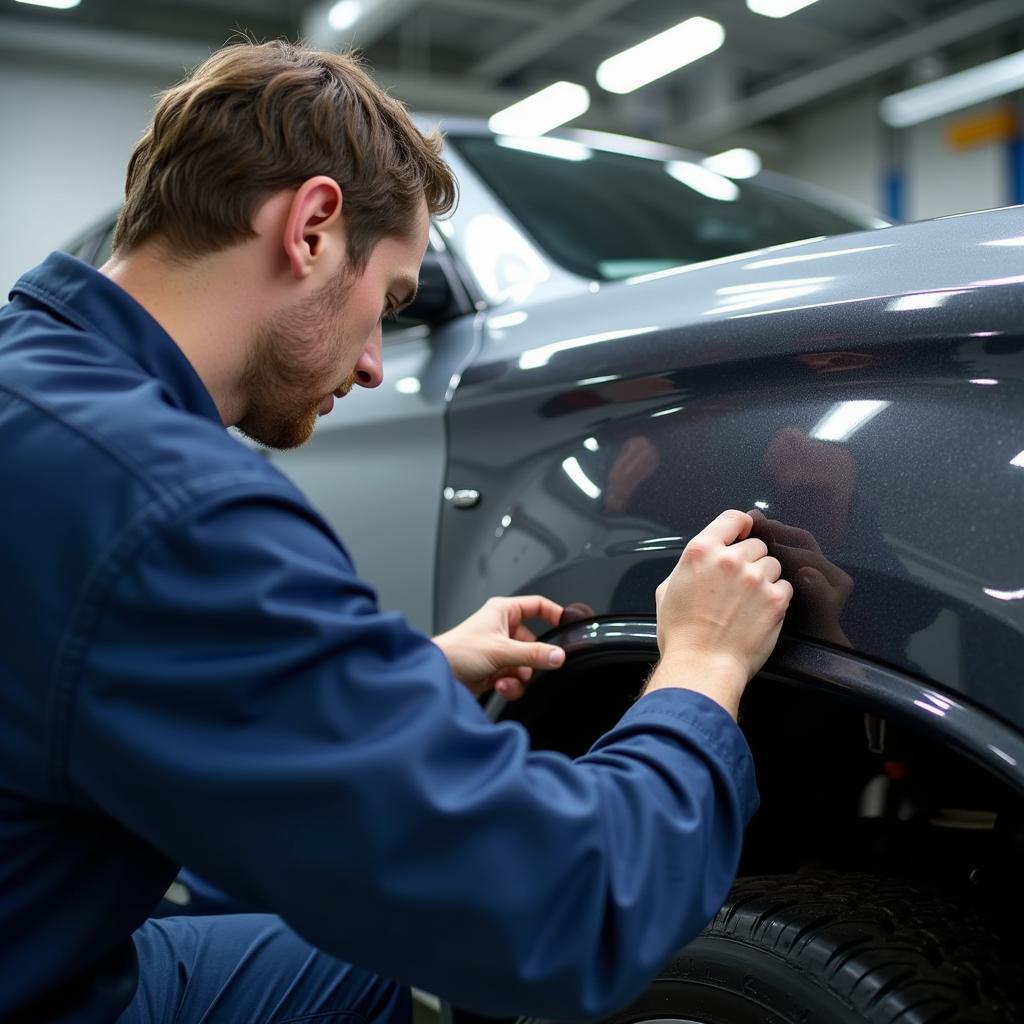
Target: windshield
609	215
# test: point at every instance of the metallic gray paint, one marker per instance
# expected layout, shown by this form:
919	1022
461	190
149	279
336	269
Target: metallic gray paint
604	430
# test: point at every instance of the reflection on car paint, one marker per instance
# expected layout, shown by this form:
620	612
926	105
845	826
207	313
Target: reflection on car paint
882	478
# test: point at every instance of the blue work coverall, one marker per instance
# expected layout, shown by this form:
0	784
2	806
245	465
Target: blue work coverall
193	673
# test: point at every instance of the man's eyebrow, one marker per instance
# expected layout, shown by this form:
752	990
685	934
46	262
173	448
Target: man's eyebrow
409	286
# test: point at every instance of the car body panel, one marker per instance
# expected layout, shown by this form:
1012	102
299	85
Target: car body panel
867	389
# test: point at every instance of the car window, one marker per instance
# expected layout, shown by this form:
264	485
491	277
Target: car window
610	215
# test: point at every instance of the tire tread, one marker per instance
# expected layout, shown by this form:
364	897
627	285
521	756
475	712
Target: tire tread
896	951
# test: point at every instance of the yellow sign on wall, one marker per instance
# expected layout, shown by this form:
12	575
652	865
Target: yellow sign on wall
999	125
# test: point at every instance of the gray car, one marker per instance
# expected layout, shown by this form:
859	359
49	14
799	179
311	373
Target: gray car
611	345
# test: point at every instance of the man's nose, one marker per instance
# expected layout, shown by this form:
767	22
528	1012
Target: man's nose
369	370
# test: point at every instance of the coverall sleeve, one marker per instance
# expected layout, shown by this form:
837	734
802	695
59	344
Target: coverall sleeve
244	706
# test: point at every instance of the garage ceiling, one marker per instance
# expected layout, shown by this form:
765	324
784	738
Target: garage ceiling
475	56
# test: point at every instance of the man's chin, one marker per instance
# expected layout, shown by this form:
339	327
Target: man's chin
281	435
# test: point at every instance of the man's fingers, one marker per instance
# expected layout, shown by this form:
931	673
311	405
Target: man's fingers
535	606
730	526
532	655
509	688
752	549
785	589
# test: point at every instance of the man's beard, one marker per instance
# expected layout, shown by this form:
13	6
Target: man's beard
289	368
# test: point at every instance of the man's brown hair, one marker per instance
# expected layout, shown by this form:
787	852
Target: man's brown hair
256	118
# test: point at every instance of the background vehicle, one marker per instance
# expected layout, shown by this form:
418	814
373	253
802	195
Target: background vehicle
611	347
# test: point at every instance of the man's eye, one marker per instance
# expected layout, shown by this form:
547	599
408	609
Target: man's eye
388	315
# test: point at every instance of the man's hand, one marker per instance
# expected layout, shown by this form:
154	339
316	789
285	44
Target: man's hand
719	612
492	649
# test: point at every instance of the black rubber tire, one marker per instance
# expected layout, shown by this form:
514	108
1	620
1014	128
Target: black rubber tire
826	948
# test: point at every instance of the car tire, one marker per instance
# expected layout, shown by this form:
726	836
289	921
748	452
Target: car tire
826	948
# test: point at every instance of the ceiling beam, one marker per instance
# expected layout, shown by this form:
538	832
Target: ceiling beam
497	9
591	18
105	48
908	13
377	19
545	38
743	31
852	70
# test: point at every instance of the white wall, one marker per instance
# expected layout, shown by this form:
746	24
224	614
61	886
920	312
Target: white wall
67	134
941	180
843	146
839	147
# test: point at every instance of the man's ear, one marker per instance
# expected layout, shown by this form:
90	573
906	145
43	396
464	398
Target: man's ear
310	224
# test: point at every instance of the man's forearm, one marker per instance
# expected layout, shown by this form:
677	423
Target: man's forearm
721	681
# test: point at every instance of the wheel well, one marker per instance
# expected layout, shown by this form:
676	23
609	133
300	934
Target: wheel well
841	785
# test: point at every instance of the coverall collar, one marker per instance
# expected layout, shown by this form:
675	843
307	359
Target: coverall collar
90	300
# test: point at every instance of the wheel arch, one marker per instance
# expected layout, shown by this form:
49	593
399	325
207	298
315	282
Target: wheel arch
854	681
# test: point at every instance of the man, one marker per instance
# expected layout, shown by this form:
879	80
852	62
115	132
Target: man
194	674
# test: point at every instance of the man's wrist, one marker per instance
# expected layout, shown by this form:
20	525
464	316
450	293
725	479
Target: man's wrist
719	679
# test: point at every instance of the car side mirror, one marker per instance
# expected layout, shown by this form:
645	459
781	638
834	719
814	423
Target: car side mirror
439	296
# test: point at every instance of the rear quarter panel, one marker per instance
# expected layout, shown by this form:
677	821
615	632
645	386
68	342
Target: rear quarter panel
868	389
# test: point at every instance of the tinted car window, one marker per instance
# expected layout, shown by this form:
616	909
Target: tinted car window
610	215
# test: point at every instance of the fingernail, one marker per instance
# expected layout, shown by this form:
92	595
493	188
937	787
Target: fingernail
556	657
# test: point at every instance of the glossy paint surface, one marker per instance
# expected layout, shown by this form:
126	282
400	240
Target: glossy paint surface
865	393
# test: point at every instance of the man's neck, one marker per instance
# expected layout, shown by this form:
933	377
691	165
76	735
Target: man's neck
203	307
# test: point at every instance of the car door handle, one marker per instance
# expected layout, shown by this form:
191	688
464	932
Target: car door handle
465	497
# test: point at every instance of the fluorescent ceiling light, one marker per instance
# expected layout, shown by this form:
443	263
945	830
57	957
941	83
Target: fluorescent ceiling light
964	89
542	111
778	8
734	163
57	5
561	149
344	14
701	180
659	55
